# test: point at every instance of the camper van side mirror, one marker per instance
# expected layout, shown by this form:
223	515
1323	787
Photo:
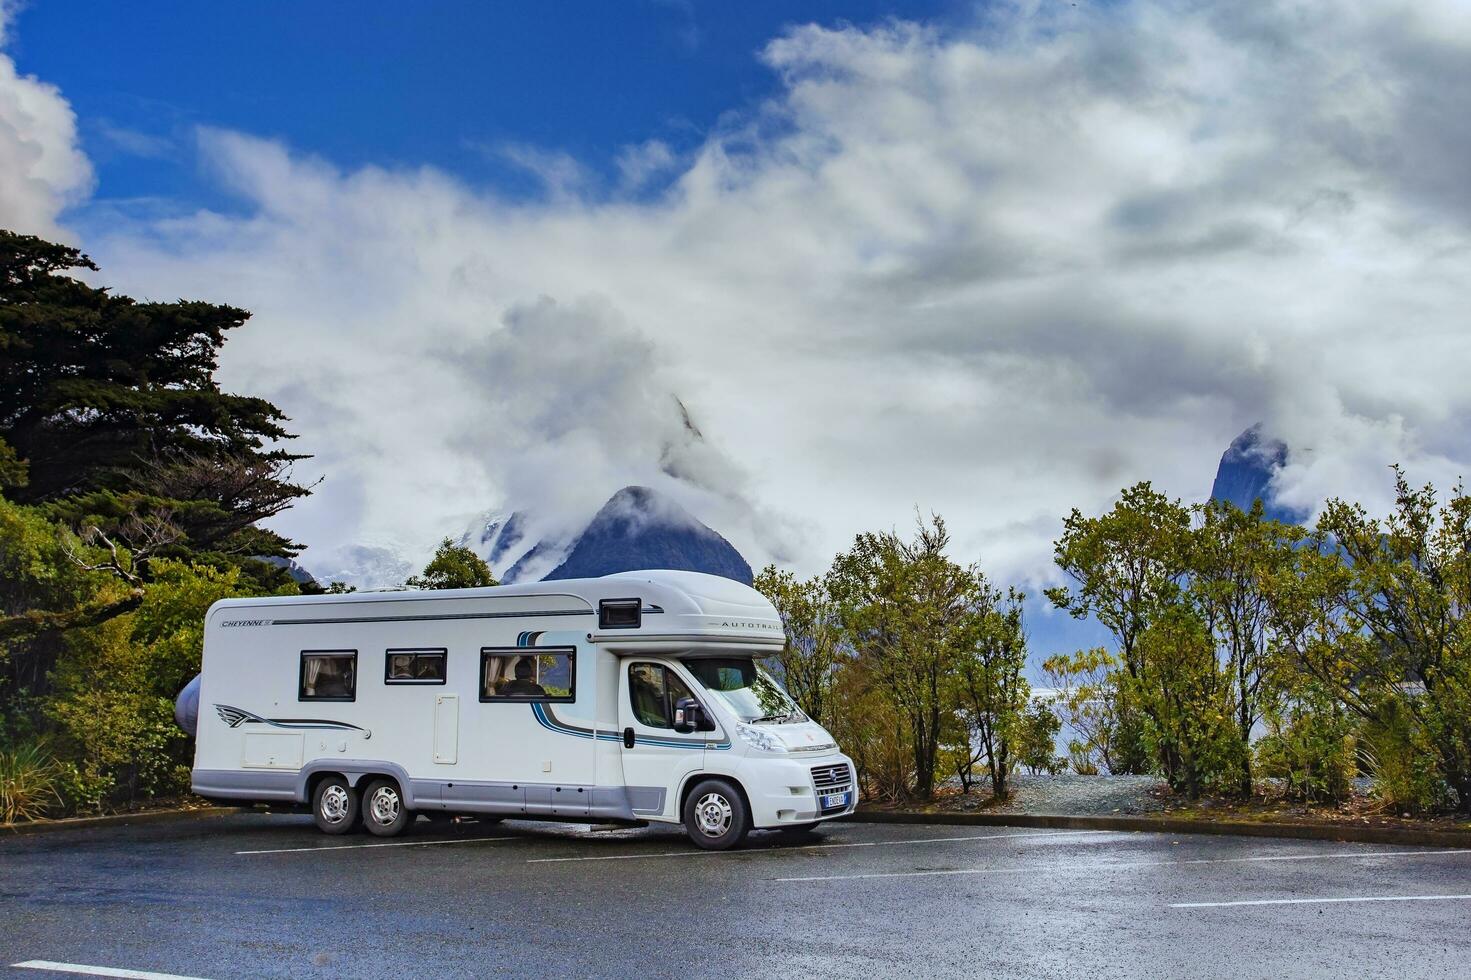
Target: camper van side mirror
689	716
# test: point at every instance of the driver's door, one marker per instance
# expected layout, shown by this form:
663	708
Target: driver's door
656	758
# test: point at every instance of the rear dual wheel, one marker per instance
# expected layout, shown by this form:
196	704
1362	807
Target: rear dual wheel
338	809
384	812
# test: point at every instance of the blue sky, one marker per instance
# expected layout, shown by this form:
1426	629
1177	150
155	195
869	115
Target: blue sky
443	83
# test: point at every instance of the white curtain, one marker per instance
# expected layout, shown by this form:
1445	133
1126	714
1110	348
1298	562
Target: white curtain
313	671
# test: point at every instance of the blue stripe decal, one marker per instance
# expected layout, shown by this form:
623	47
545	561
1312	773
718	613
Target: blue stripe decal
551	722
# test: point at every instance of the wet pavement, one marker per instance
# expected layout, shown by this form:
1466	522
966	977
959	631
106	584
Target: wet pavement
260	895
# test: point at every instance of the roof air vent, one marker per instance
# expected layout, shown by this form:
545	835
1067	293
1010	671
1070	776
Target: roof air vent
620	614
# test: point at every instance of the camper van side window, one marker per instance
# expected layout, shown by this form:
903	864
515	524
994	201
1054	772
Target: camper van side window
654	690
328	675
528	674
414	666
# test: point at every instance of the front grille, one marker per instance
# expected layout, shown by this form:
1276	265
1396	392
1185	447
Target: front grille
830	779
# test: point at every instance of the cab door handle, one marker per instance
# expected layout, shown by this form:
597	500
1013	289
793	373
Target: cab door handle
628	738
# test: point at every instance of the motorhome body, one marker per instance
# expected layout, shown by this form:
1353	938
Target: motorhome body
636	696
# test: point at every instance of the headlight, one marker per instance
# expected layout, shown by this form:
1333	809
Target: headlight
760	739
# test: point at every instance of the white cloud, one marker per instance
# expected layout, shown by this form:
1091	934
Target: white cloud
997	273
562	177
134	143
641	163
565	403
42	170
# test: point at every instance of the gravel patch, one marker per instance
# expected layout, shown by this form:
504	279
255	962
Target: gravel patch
1068	793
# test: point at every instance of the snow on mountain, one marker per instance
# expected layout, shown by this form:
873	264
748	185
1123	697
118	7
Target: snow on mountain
368	567
637	527
518	547
641	528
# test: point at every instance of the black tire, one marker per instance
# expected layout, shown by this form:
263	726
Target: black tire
385	813
335	806
716	816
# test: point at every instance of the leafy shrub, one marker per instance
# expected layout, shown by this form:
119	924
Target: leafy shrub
113	686
1184	693
1093	701
30	779
1396	753
125	743
81	791
1312	749
1080	759
873	732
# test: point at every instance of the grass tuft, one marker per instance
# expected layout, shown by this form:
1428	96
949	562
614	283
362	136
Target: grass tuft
30	782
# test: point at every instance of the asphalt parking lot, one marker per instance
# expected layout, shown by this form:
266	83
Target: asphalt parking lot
264	895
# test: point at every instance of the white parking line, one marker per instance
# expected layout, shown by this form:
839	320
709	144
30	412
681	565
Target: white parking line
1320	901
1123	865
813	847
97	971
396	843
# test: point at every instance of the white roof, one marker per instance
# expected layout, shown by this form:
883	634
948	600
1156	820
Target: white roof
681	609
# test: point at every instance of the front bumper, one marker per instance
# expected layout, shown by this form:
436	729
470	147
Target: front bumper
782	792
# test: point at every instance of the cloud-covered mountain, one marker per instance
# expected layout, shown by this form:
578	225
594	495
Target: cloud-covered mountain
519	546
637	527
1246	473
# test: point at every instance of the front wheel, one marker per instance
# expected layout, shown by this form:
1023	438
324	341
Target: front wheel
384	813
715	816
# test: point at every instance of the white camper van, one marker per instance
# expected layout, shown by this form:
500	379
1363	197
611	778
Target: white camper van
637	696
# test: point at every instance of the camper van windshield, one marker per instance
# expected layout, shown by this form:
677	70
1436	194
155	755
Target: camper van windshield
746	689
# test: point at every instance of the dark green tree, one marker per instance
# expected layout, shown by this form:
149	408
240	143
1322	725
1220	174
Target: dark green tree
111	418
1184	692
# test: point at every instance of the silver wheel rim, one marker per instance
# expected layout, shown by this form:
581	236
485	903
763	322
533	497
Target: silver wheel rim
713	815
335	804
384	805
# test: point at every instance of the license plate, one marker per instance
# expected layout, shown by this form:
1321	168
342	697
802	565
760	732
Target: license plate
834	800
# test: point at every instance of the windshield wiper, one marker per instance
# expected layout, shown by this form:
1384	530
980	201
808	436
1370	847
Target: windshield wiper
772	718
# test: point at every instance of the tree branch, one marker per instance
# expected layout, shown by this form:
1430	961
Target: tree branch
36	621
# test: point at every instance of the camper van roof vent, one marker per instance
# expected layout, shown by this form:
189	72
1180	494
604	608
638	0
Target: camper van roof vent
620	614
